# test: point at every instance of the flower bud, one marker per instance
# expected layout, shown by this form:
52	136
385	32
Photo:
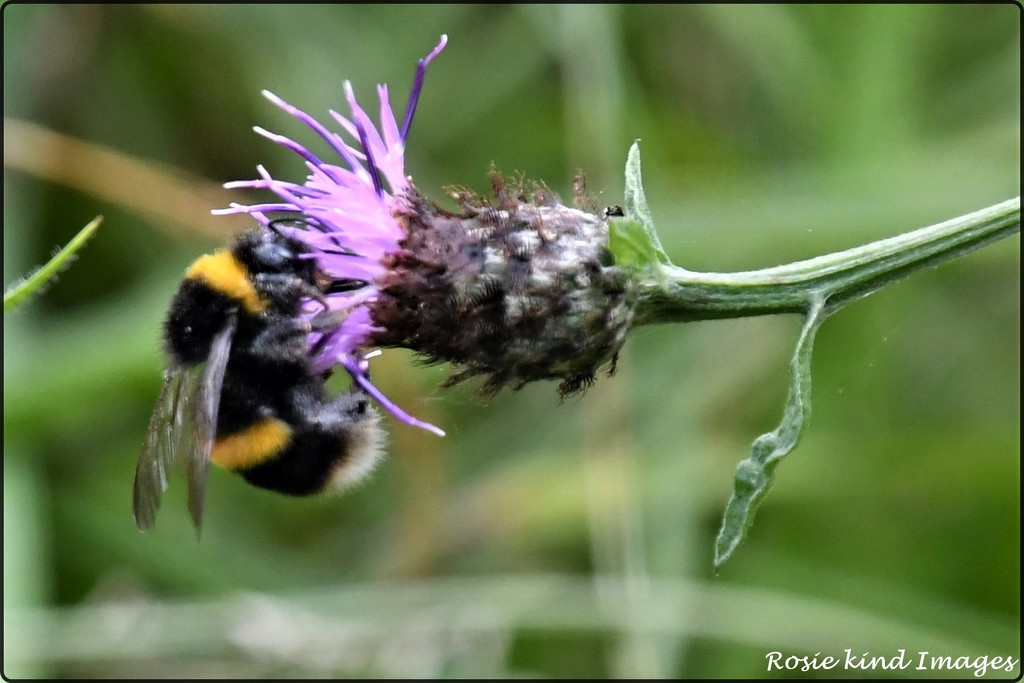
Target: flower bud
517	289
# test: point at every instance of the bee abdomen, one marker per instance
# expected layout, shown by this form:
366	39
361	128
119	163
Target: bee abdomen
324	457
303	468
255	445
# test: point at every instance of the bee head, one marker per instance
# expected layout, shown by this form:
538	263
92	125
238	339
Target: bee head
269	251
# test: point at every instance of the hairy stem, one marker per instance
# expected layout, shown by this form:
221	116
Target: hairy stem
674	294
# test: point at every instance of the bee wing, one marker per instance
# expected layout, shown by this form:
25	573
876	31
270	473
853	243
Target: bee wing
208	404
169	428
185	419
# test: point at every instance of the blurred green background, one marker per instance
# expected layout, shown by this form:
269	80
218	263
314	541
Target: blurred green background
537	539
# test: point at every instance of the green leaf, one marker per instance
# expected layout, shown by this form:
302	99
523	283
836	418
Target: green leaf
754	476
35	282
636	210
631	245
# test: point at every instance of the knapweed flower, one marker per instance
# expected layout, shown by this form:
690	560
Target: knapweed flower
519	287
516	288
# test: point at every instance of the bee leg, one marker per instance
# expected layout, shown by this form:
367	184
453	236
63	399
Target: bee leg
285	340
331	415
325	321
314	293
284	288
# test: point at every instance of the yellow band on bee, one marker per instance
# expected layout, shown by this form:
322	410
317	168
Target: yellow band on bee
253	446
227	275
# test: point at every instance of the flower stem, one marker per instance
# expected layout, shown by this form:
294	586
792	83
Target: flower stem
675	294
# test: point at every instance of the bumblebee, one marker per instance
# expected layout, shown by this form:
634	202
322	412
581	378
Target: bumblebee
239	390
